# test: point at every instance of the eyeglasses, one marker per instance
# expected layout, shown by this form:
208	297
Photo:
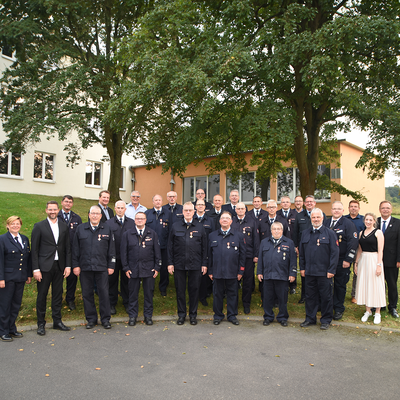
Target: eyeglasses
95	213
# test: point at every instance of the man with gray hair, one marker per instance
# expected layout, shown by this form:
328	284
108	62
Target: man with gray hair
134	206
234	200
318	259
93	258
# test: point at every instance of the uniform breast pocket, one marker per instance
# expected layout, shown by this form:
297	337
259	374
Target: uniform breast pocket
324	241
180	234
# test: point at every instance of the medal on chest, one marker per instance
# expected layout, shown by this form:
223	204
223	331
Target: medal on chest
318	242
228	245
99	238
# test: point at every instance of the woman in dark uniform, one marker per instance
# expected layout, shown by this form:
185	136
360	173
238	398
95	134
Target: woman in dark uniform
15	270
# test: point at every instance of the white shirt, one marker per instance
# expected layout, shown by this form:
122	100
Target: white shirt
56	234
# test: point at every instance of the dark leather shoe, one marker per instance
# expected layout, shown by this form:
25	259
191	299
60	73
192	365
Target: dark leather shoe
234	321
113	311
71	305
148	321
41	331
284	323
266	322
216	321
324	327
61	327
292	291
394	313
193	321
90	325
181	320
337	316
16	334
302	300
106	325
246	310
163	294
6	338
132	321
306	324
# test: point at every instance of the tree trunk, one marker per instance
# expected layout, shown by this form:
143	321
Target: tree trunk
114	149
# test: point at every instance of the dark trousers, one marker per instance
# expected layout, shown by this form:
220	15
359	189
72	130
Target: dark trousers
164	275
275	291
72	281
340	280
230	288
247	282
55	278
354	284
303	288
205	287
148	289
113	279
87	282
10	303
391	276
318	288
193	284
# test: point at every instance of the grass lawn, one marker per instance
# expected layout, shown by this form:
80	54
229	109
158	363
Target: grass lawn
31	208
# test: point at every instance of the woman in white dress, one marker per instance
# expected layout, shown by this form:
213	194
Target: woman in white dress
370	289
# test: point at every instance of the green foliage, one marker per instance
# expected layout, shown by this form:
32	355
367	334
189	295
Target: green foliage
277	78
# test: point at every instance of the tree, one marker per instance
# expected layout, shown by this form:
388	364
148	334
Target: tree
278	78
66	73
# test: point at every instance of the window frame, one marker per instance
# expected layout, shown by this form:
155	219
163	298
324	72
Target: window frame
9	173
92	185
44	155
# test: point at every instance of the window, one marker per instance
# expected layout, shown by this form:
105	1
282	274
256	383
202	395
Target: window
336	173
248	187
289	183
43	166
93	173
10	163
210	185
122	179
7	51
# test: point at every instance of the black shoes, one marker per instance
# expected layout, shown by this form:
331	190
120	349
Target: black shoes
246	310
394	313
193	321
106	325
266	322
306	324
302	300
132	321
113	310
234	321
324	327
284	323
292	291
90	325
6	338
16	334
41	331
181	320
148	321
61	327
163	294
71	305
216	321
337	316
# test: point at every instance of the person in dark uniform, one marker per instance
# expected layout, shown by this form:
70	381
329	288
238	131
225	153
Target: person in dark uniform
187	259
93	258
106	212
215	212
141	261
201	195
119	224
234	200
159	219
173	207
226	258
51	262
264	225
209	226
15	270
301	223
318	259
277	264
298	204
249	227
290	216
72	220
390	227
347	237
257	213
358	220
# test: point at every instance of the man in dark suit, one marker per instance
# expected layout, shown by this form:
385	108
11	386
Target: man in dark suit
234	200
106	212
201	195
173	207
72	220
215	212
390	227
257	213
119	224
51	262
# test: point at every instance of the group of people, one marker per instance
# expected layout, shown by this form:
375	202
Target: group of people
209	248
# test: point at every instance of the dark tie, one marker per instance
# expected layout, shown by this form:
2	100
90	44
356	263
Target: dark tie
383	226
158	213
271	221
140	232
257	213
66	217
171	208
16	239
333	223
240	221
234	208
286	213
315	230
224	233
121	222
